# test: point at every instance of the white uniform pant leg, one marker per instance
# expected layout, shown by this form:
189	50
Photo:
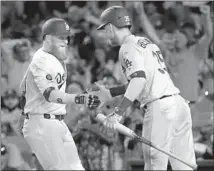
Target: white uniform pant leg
45	137
157	127
182	144
71	150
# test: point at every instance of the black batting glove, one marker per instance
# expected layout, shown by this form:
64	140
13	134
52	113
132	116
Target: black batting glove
91	101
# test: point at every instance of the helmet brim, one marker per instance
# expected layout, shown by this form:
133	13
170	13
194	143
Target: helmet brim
67	33
101	27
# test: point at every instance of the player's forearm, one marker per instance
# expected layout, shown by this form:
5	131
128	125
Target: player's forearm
133	91
118	90
56	96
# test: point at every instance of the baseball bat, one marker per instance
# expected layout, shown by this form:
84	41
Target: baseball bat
128	132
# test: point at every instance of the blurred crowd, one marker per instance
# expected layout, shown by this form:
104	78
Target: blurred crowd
183	31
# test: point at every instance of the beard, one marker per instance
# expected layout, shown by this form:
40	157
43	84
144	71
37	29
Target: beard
61	52
112	43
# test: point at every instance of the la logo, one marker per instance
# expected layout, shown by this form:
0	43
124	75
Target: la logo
127	19
66	26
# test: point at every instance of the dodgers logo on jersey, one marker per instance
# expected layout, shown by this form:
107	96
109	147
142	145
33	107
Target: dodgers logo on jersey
128	63
60	79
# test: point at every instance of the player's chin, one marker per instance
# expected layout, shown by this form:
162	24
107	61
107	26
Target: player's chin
112	43
63	57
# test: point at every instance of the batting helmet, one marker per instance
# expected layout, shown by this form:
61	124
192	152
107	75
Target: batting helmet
56	27
115	15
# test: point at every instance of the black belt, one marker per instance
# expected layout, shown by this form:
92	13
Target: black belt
48	116
166	96
162	97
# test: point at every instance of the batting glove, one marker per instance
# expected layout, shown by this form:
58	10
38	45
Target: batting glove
90	101
102	92
111	120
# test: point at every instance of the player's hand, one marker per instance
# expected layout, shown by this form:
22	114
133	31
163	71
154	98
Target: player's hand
91	101
205	9
102	92
111	120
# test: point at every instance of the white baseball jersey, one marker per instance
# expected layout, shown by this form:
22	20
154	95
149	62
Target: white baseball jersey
44	71
140	54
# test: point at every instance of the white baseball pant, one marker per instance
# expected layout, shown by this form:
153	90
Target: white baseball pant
168	124
52	143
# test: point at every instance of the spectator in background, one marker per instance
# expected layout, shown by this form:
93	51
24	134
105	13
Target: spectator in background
75	87
147	26
10	112
81	73
10	101
133	149
109	80
154	15
99	65
97	7
113	65
84	41
12	19
179	12
11	158
4	159
17	59
203	140
206	77
184	61
79	11
75	112
35	39
4	70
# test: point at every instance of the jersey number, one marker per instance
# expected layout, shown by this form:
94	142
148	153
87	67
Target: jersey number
159	56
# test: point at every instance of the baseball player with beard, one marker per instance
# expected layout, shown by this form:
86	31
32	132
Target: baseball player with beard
44	90
167	120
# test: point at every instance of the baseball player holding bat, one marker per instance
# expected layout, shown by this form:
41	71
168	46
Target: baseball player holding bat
43	90
167	121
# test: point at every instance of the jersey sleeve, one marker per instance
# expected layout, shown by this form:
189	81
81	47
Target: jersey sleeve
132	61
43	75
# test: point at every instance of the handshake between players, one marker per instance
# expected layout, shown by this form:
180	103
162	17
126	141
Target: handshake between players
102	94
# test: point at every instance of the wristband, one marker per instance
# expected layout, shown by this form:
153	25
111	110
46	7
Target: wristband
116	91
79	99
